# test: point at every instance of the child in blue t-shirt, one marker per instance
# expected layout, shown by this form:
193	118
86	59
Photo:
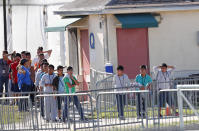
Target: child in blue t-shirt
143	80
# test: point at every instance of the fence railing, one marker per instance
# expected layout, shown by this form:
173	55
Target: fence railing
104	109
188	99
97	76
16	117
116	109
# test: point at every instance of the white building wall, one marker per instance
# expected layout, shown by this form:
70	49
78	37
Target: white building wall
54	38
26	28
97	54
73	51
175	40
112	24
34	36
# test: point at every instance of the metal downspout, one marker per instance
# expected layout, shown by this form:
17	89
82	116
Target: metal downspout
106	48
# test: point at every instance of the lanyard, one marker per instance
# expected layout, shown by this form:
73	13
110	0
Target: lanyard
143	80
41	75
51	79
61	82
121	82
165	77
4	64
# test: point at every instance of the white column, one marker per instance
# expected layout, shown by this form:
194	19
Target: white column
62	48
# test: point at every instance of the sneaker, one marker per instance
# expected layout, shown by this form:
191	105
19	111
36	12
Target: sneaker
144	116
160	116
122	118
84	119
177	114
55	120
67	120
59	120
47	121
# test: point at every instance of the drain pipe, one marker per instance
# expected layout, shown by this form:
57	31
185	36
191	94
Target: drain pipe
106	48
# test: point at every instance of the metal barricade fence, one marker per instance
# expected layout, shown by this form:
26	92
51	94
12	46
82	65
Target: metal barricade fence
22	113
167	110
97	76
16	117
188	100
102	112
75	111
124	115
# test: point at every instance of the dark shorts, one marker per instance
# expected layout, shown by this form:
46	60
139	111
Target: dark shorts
165	97
26	88
60	100
15	88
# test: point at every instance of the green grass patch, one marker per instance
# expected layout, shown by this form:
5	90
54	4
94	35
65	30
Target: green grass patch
10	114
131	112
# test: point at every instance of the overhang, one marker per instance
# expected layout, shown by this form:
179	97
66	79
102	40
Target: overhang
61	25
137	20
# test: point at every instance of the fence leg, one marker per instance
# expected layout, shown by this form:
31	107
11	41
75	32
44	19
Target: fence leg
97	107
92	111
31	110
159	112
74	123
180	108
36	113
146	96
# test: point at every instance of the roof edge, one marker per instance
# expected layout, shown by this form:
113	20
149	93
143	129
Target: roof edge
76	13
133	9
152	5
151	9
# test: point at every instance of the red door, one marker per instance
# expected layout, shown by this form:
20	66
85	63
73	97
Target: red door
132	45
85	57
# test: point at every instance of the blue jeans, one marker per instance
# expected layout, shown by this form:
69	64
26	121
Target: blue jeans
42	106
76	102
23	103
4	81
165	97
121	102
141	105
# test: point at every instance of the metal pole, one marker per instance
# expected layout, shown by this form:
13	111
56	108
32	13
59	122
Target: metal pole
106	48
180	108
5	25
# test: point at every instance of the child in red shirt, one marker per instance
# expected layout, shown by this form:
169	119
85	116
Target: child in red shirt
14	71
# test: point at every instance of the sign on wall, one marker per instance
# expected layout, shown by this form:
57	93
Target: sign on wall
92	41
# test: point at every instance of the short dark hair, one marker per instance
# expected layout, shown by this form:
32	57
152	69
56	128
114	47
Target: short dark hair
164	65
23	61
45	63
18	55
40	48
60	67
51	66
120	67
143	67
5	52
23	52
41	54
28	54
69	68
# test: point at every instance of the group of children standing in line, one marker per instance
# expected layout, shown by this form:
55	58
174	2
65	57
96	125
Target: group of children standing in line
143	82
26	75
